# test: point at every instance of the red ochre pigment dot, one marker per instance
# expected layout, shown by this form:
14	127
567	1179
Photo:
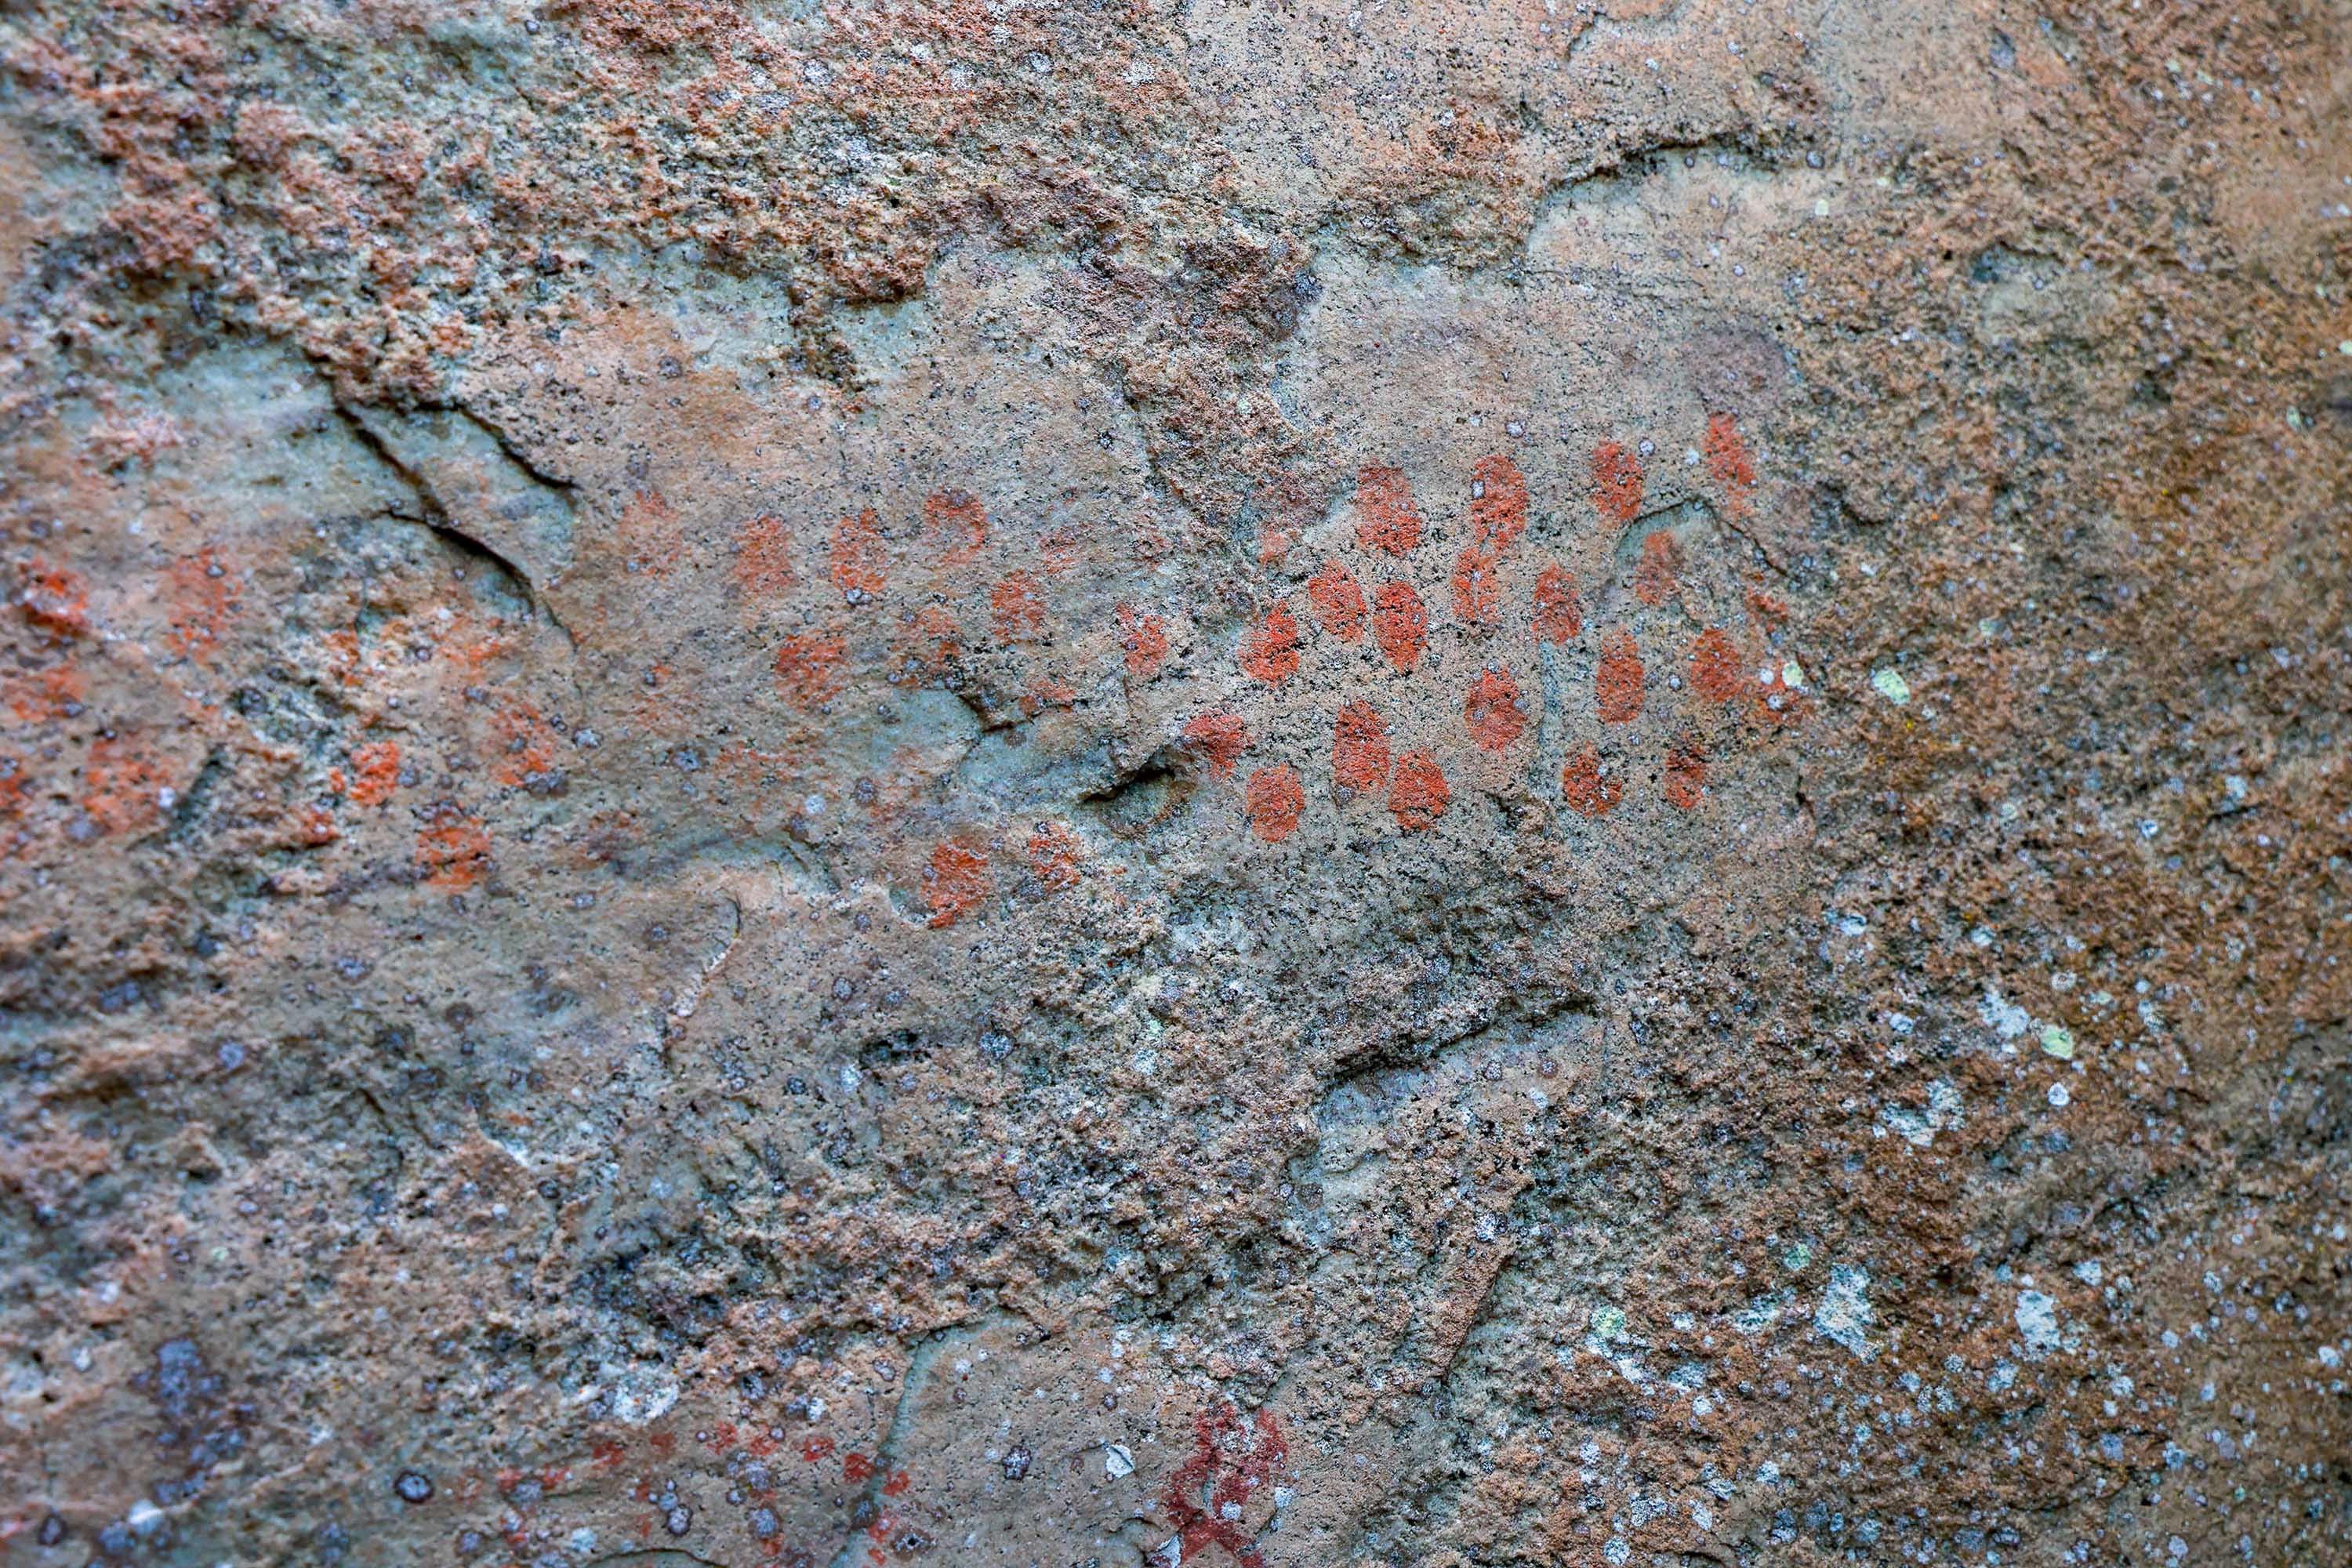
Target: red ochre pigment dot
857	568
1400	625
1616	482
1014	604
1556	617
1360	748
1617	683
1144	636
1727	460
955	526
1715	666
1662	563
1386	516
1336	601
1053	855
955	882
1274	801
1220	738
1492	711
1419	796
1477	594
764	556
1588	790
808	667
1270	649
1499	504
1686	776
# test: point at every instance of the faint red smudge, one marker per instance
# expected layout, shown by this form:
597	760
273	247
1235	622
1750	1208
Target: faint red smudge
1399	626
55	600
1727	460
1270	649
526	742
204	602
856	1467
1418	796
1360	748
955	526
1220	738
857	563
375	773
1558	618
1498	505
1054	853
56	692
927	646
1058	551
721	1437
122	786
452	849
1654	580
897	1484
1588	790
1715	666
1770	610
1144	636
1233	1460
1274	801
816	1449
808	668
1617	683
1336	601
954	882
1015	607
1617	482
1492	711
1386	516
1046	691
1478	593
1686	774
764	556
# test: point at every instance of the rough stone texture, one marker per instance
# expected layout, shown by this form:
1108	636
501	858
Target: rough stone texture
1069	783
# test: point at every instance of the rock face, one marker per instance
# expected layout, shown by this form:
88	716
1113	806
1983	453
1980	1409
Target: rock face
1093	782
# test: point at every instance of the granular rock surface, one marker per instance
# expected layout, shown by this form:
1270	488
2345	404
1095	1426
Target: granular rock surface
1109	781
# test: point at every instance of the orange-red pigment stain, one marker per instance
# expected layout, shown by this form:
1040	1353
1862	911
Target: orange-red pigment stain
1386	516
1686	776
928	644
1336	601
1360	748
808	668
1144	636
375	773
1617	683
1587	791
204	601
1270	649
764	556
452	850
1419	796
1498	505
122	786
1558	618
1220	738
1053	855
1616	482
1662	563
1715	666
1274	801
1493	711
1016	609
1727	460
1399	626
955	526
55	600
857	565
955	882
1478	593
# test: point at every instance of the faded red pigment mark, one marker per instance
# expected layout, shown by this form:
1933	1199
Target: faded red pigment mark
1589	791
857	565
954	882
764	556
1144	638
1418	796
1477	591
856	1467
56	692
816	1449
528	743
955	526
1233	1462
928	644
122	786
1655	579
1399	626
1336	601
1715	666
1044	691
1360	748
1617	683
1274	801
1727	460
1270	649
1617	482
897	1484
1686	776
1058	551
1015	607
1220	738
204	601
1558	617
1499	504
1492	711
55	600
375	773
452	850
1386	516
808	668
1053	855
